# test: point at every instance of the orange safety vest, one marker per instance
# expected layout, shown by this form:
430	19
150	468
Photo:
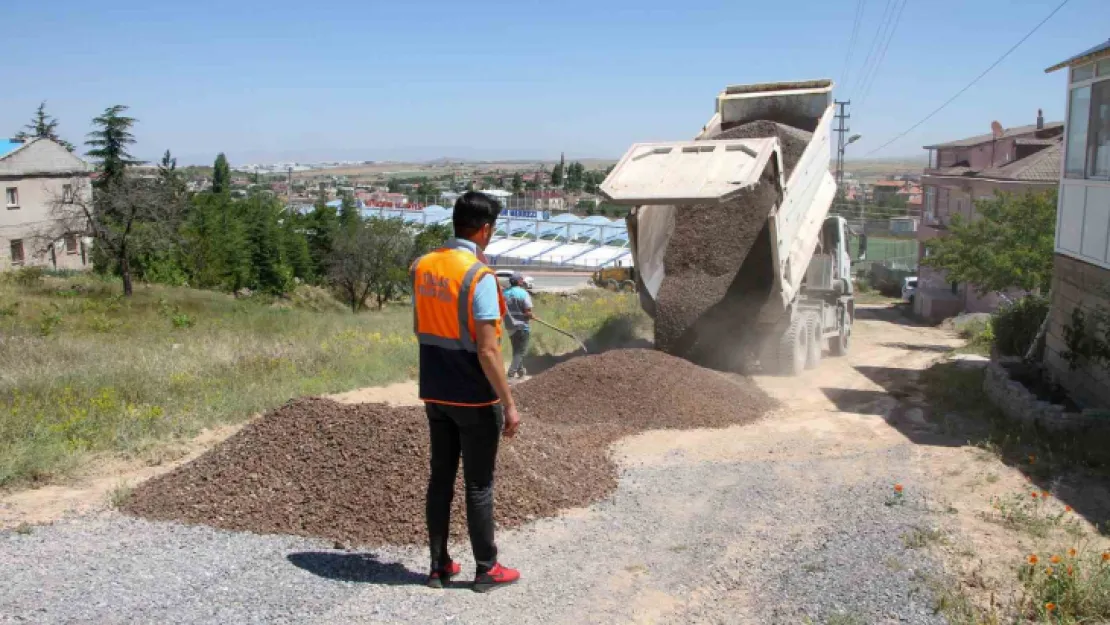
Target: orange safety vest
443	319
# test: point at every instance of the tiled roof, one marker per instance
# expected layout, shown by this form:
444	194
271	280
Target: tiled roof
1035	141
1086	55
1042	166
1009	132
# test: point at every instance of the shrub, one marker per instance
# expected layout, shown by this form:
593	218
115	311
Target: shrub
182	320
49	322
28	276
1016	324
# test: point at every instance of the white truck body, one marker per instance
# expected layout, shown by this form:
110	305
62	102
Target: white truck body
658	178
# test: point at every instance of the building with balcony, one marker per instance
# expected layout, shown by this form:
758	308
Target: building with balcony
1019	159
1081	272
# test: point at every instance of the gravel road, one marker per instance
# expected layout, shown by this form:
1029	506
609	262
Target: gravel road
783	521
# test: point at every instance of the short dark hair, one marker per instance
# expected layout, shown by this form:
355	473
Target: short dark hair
472	211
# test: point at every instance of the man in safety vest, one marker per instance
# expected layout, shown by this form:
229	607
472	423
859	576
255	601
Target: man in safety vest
457	316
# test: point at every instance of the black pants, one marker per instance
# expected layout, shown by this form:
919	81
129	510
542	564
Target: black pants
475	433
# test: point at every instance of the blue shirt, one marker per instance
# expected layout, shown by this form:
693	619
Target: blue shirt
517	300
486	307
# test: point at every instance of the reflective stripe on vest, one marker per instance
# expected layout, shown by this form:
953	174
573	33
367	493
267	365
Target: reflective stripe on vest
443	283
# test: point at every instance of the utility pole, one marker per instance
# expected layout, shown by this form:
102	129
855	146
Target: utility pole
841	133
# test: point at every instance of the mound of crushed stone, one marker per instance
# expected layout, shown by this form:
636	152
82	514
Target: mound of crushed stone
357	474
718	264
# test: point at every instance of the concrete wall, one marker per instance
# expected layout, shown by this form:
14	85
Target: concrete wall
1076	284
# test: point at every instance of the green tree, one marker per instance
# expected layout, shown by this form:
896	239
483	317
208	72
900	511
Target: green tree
269	272
109	144
323	226
393	185
348	213
221	175
295	247
170	177
518	183
557	175
429	238
1008	245
427	191
575	176
371	260
43	126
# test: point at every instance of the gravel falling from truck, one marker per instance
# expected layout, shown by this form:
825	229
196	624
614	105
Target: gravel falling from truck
718	264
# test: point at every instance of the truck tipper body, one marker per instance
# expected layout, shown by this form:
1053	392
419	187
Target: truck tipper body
809	301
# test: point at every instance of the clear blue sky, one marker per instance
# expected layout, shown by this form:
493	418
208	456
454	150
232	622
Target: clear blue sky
363	79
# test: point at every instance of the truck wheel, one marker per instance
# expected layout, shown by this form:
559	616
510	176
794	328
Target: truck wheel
838	345
813	347
611	285
628	286
793	346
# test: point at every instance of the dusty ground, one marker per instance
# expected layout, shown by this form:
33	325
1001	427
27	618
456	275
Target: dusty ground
781	521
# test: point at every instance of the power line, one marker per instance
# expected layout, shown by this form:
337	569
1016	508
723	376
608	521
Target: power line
973	81
852	42
882	54
866	67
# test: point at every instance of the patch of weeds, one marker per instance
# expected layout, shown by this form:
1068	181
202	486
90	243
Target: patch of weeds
992	478
679	548
950	599
1028	513
1069	587
119	494
636	569
10	310
921	537
182	321
24	529
49	322
845	618
102	324
894	564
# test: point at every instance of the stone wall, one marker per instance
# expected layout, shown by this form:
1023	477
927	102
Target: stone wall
1076	284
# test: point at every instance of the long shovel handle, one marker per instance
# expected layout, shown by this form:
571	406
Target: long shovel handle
563	332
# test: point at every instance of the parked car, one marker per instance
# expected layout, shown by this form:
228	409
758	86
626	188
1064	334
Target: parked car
909	288
503	276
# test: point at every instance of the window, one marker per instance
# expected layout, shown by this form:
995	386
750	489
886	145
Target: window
67	193
1078	108
1104	68
1098	146
1083	72
17	252
12	195
71	243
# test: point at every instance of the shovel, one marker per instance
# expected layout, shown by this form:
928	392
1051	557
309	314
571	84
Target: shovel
563	332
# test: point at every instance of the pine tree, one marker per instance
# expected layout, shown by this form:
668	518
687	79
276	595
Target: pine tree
348	213
296	250
269	272
323	226
109	144
43	126
221	175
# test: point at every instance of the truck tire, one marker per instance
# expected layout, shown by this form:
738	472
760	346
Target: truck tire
793	346
628	286
838	345
813	347
611	285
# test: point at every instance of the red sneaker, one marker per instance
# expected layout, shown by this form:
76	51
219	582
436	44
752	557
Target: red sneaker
496	577
437	578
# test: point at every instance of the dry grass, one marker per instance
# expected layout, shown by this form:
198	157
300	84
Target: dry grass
86	371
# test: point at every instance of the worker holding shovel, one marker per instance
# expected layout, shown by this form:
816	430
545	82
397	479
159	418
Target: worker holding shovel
517	322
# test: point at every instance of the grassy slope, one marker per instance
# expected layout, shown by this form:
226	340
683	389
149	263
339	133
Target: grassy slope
86	371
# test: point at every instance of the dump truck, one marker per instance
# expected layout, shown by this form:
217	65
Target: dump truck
763	157
615	278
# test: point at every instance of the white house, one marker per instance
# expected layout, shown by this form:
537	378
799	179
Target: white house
1081	273
33	175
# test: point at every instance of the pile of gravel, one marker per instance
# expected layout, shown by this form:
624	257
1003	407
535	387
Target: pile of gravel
357	474
718	264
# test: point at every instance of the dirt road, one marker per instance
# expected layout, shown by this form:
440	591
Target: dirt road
792	519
